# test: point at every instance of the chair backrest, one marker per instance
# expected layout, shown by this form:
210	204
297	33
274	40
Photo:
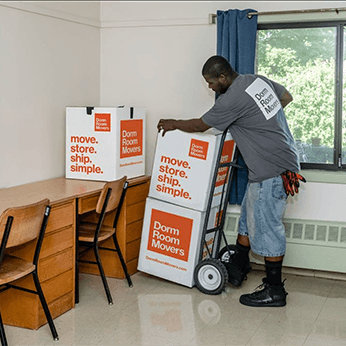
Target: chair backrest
116	187
26	224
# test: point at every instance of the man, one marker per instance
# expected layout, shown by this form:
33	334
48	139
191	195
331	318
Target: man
253	106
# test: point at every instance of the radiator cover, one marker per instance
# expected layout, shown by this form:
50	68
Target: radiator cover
311	244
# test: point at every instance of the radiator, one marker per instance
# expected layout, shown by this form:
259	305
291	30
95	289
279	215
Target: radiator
315	226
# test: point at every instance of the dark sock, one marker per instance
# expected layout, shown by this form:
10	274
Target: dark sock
241	258
273	270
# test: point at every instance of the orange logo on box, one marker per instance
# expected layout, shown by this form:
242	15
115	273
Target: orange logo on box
131	138
103	122
170	234
198	149
226	156
218	218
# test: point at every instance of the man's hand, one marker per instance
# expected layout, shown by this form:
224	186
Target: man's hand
190	125
166	125
291	182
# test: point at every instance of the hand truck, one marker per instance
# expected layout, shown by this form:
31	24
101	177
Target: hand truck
210	273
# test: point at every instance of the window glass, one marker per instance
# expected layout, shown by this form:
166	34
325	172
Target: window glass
303	60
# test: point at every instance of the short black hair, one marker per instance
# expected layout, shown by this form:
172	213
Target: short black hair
217	65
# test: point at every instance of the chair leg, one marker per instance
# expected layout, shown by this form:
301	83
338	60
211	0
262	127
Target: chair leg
123	264
103	276
45	306
2	333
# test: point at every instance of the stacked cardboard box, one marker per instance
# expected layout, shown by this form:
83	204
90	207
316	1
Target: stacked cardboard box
175	212
105	143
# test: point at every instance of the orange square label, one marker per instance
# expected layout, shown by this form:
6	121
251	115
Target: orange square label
218	218
198	149
131	138
103	122
170	234
226	156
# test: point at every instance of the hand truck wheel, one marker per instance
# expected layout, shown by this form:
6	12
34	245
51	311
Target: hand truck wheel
225	255
211	276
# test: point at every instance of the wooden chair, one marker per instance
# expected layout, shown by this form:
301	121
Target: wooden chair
18	226
91	234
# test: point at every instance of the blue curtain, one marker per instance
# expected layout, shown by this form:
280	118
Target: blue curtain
236	41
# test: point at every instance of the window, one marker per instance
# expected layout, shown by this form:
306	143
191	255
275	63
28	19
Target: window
308	60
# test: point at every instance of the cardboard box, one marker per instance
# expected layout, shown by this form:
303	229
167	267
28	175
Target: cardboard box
172	239
184	166
105	143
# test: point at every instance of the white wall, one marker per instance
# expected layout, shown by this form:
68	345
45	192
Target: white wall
46	64
149	53
152	54
159	69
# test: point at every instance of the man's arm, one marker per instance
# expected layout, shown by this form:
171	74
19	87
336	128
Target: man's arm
285	99
190	125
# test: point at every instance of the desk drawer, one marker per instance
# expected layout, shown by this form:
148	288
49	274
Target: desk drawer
132	250
58	286
56	242
88	203
134	231
137	193
21	312
55	265
135	212
57	308
60	216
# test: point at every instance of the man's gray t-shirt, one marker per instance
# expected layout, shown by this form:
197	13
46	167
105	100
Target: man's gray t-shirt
259	127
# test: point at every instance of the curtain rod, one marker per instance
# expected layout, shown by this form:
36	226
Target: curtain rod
212	16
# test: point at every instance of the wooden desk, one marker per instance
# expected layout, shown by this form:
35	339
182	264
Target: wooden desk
57	260
129	229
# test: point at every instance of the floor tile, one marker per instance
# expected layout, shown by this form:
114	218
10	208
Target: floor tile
323	342
317	286
265	338
222	334
158	312
285	325
338	290
334	309
301	306
330	331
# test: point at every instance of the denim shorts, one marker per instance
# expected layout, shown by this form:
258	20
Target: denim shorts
262	211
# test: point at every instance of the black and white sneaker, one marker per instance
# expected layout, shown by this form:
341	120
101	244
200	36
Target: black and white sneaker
236	275
266	295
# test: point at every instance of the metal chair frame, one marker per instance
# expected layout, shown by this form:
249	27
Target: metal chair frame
95	244
38	287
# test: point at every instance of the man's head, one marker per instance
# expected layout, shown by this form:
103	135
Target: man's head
218	73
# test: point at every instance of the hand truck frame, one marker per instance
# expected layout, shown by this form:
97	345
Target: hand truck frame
210	274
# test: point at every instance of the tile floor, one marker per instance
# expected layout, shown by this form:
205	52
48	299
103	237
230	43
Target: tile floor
158	312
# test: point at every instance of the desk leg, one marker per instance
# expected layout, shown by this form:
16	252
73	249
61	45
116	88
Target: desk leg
76	259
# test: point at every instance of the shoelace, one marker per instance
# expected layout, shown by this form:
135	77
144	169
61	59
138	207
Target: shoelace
259	287
264	284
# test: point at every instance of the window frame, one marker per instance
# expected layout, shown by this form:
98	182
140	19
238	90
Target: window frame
340	26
